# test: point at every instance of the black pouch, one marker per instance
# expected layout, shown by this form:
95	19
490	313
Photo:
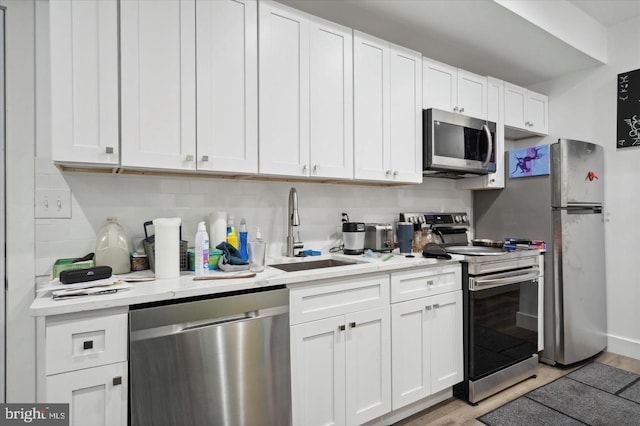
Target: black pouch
71	276
434	250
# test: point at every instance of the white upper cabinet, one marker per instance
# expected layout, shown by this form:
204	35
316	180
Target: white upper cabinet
371	120
453	89
331	100
406	115
158	95
84	81
495	113
525	110
306	122
227	84
387	111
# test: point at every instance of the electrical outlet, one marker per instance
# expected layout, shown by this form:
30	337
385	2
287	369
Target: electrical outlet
53	204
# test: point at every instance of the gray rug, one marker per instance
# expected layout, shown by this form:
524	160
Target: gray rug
595	394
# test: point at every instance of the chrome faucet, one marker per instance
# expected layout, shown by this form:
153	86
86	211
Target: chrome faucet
294	220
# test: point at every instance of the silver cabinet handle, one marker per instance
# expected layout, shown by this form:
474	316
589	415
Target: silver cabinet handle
461	109
395	173
388	173
531	124
87	344
109	150
117	381
455	109
205	158
304	168
189	158
352	324
342	327
430	282
436	305
428	307
316	168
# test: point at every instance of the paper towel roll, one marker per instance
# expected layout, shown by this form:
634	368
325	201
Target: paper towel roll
167	247
217	228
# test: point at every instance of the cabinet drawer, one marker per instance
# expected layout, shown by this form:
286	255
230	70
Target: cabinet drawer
330	298
407	285
74	342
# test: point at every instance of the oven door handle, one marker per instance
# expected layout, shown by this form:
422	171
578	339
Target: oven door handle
498	280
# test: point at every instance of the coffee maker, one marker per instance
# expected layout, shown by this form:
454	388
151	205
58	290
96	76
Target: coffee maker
352	236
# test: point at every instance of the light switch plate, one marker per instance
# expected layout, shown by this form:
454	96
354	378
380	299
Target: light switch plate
53	204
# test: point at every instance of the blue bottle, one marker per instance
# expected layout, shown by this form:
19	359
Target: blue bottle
243	240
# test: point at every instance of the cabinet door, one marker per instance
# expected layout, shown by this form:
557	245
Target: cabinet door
537	112
284	91
406	115
368	365
157	48
472	94
410	372
318	372
84	81
371	108
331	100
445	329
495	113
440	86
96	396
227	81
515	101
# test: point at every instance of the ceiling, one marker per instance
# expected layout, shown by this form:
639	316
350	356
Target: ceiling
480	36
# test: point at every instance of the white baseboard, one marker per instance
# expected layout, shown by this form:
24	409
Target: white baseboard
623	346
411	409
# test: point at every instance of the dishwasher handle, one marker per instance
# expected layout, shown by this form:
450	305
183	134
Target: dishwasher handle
168	330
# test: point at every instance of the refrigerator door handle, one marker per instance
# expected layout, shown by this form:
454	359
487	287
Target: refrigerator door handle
581	209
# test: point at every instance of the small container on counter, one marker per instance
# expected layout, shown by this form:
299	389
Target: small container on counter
139	262
214	256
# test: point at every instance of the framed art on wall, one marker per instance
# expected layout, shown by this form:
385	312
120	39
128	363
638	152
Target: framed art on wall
628	120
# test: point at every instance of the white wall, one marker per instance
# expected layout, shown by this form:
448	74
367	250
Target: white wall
583	106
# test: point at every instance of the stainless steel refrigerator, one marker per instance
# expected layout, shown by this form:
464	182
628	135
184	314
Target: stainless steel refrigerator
563	208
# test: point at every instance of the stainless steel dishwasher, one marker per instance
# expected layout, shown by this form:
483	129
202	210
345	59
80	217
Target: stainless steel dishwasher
221	361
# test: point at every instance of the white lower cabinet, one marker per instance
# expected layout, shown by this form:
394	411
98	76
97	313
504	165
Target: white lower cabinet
97	396
426	346
426	332
85	365
341	365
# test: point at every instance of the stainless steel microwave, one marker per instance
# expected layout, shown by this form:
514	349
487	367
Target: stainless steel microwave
456	146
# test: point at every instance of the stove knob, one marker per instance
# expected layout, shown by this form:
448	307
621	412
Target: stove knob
410	219
420	219
457	218
465	218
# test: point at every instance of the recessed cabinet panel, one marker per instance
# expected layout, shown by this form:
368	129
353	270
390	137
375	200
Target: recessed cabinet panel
284	91
537	109
406	115
472	94
84	81
515	102
158	84
371	107
440	88
227	83
331	100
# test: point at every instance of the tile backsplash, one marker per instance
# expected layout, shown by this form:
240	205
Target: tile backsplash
134	199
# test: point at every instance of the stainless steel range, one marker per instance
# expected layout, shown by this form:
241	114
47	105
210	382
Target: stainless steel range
500	308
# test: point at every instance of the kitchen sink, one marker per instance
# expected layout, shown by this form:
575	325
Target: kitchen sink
312	264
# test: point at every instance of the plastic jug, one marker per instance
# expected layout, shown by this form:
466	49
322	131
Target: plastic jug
112	248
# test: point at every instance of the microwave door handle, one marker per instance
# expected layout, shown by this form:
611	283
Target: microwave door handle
489	147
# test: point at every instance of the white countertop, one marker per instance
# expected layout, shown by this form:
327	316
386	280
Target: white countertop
185	286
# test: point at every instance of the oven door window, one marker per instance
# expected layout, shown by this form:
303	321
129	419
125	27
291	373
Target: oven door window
503	327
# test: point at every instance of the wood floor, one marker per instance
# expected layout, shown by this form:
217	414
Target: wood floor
458	412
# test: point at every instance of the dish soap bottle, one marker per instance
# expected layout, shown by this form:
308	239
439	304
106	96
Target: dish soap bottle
243	240
232	235
112	248
202	250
